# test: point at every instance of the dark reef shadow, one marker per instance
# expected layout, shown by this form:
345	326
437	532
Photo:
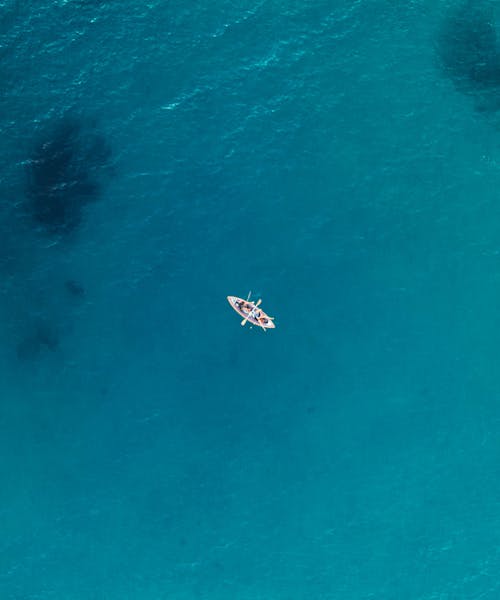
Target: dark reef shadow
65	173
469	52
67	169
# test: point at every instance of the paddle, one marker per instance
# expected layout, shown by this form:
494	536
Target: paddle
251	312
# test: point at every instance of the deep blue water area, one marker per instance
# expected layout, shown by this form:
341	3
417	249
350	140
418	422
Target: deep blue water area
341	160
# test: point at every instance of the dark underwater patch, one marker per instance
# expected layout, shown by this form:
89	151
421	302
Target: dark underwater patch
74	288
43	337
65	173
469	52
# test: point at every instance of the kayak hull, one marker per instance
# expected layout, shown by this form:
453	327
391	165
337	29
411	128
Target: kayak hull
244	308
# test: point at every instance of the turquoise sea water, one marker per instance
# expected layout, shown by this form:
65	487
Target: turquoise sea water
341	160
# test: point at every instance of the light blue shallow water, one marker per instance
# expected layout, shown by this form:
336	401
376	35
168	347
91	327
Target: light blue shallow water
340	159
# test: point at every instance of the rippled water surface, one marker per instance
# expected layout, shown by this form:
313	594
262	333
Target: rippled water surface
341	159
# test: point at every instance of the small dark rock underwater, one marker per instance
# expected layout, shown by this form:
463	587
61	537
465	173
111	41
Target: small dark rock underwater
43	337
